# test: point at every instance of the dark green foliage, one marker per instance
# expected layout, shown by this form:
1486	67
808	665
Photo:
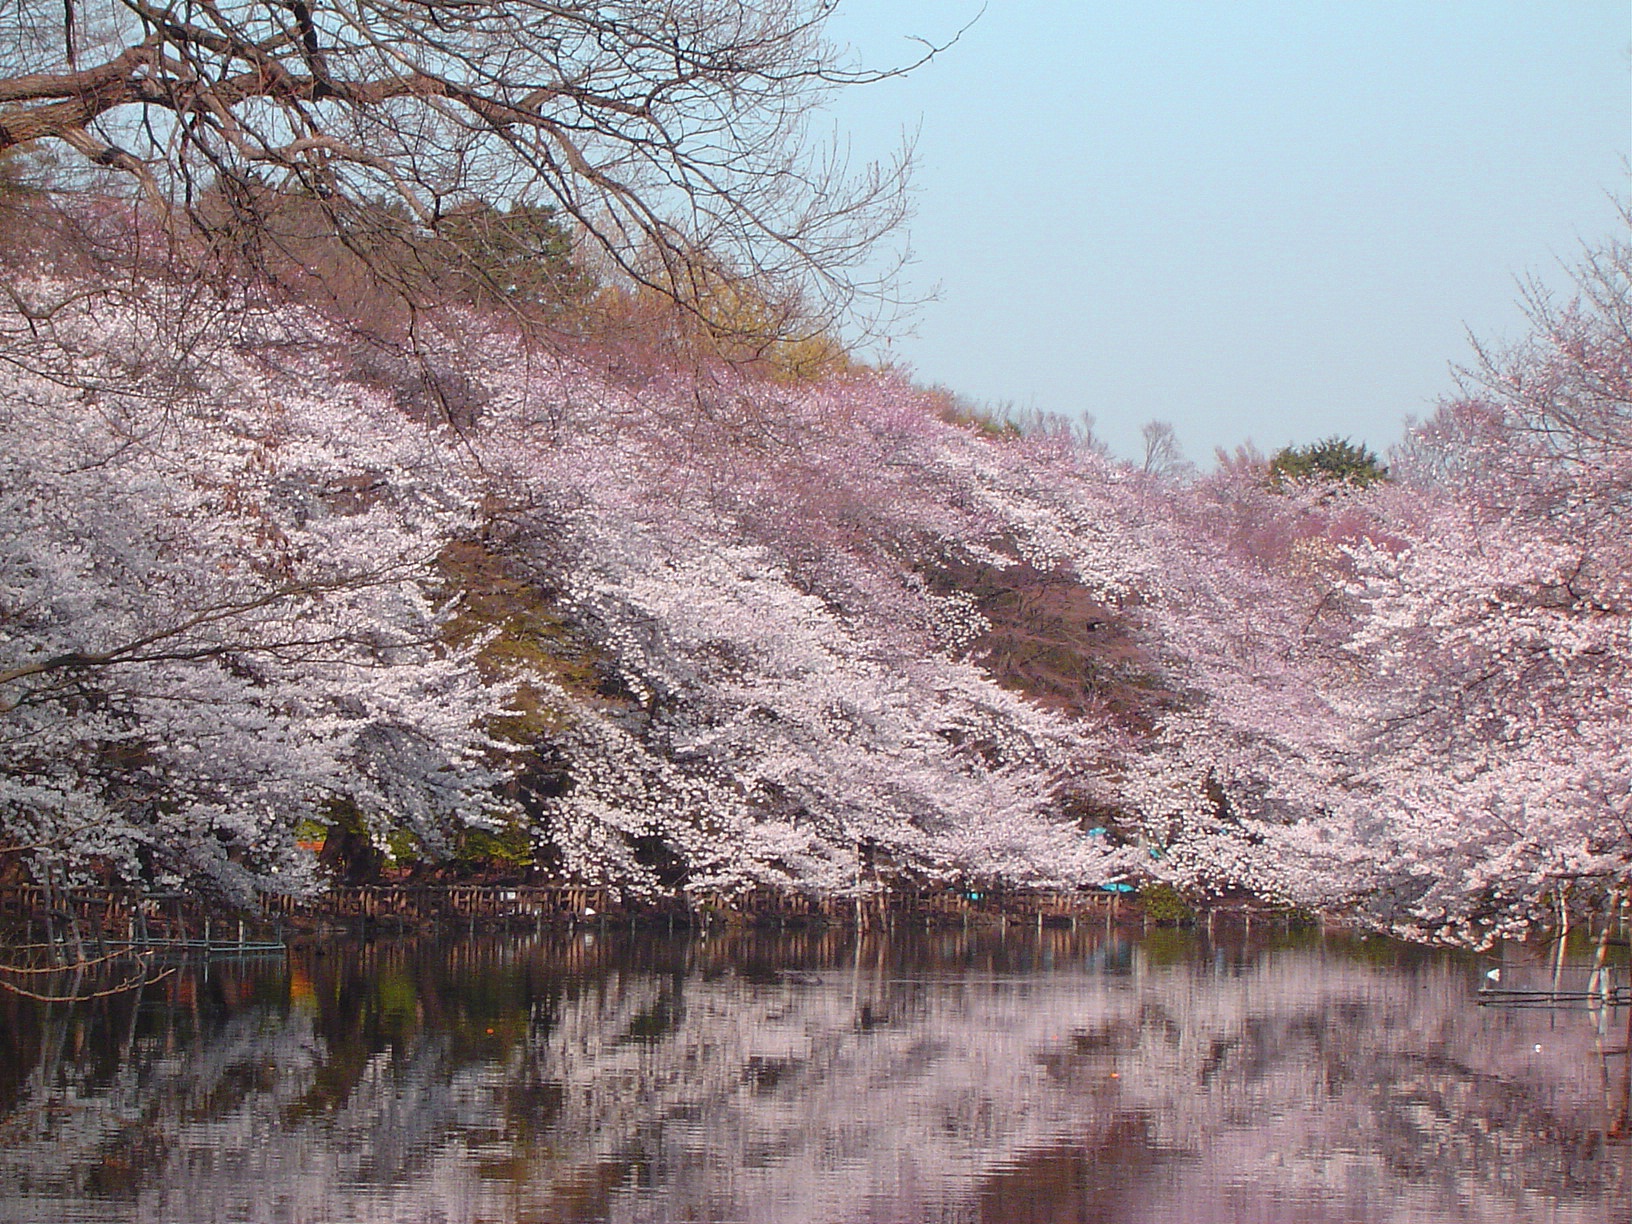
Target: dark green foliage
349	854
506	852
1164	905
521	255
1332	460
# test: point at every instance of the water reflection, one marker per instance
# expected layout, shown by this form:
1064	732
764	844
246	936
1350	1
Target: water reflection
1052	1077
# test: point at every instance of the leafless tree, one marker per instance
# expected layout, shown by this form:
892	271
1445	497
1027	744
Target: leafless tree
674	134
1163	457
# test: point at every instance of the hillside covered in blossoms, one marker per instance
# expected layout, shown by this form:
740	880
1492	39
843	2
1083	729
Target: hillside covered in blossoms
457	593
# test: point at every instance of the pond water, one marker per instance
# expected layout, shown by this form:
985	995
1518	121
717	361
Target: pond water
1048	1076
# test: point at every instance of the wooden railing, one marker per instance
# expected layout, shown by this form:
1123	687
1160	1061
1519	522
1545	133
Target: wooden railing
122	916
102	919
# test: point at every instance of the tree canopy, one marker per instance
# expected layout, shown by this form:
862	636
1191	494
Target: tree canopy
719	625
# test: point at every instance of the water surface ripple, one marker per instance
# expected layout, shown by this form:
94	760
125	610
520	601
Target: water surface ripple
1044	1078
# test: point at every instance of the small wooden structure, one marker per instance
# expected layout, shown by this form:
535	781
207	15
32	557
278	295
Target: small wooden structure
98	922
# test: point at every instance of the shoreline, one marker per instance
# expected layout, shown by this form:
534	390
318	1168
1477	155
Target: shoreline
103	918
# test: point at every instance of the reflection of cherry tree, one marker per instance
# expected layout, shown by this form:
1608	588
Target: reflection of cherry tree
865	1086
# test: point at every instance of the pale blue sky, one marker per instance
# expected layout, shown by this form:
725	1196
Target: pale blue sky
1252	218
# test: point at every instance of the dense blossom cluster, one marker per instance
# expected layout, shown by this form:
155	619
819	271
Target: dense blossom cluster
1414	700
214	614
797	708
225	607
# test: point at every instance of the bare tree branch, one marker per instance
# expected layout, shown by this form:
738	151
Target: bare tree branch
667	130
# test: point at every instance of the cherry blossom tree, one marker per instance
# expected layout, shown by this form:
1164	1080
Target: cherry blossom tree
1503	628
1411	701
217	608
751	637
789	696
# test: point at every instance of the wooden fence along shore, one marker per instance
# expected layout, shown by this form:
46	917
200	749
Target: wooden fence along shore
526	906
99	920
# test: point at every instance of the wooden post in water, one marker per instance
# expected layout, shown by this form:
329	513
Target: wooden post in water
1599	981
1563	938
